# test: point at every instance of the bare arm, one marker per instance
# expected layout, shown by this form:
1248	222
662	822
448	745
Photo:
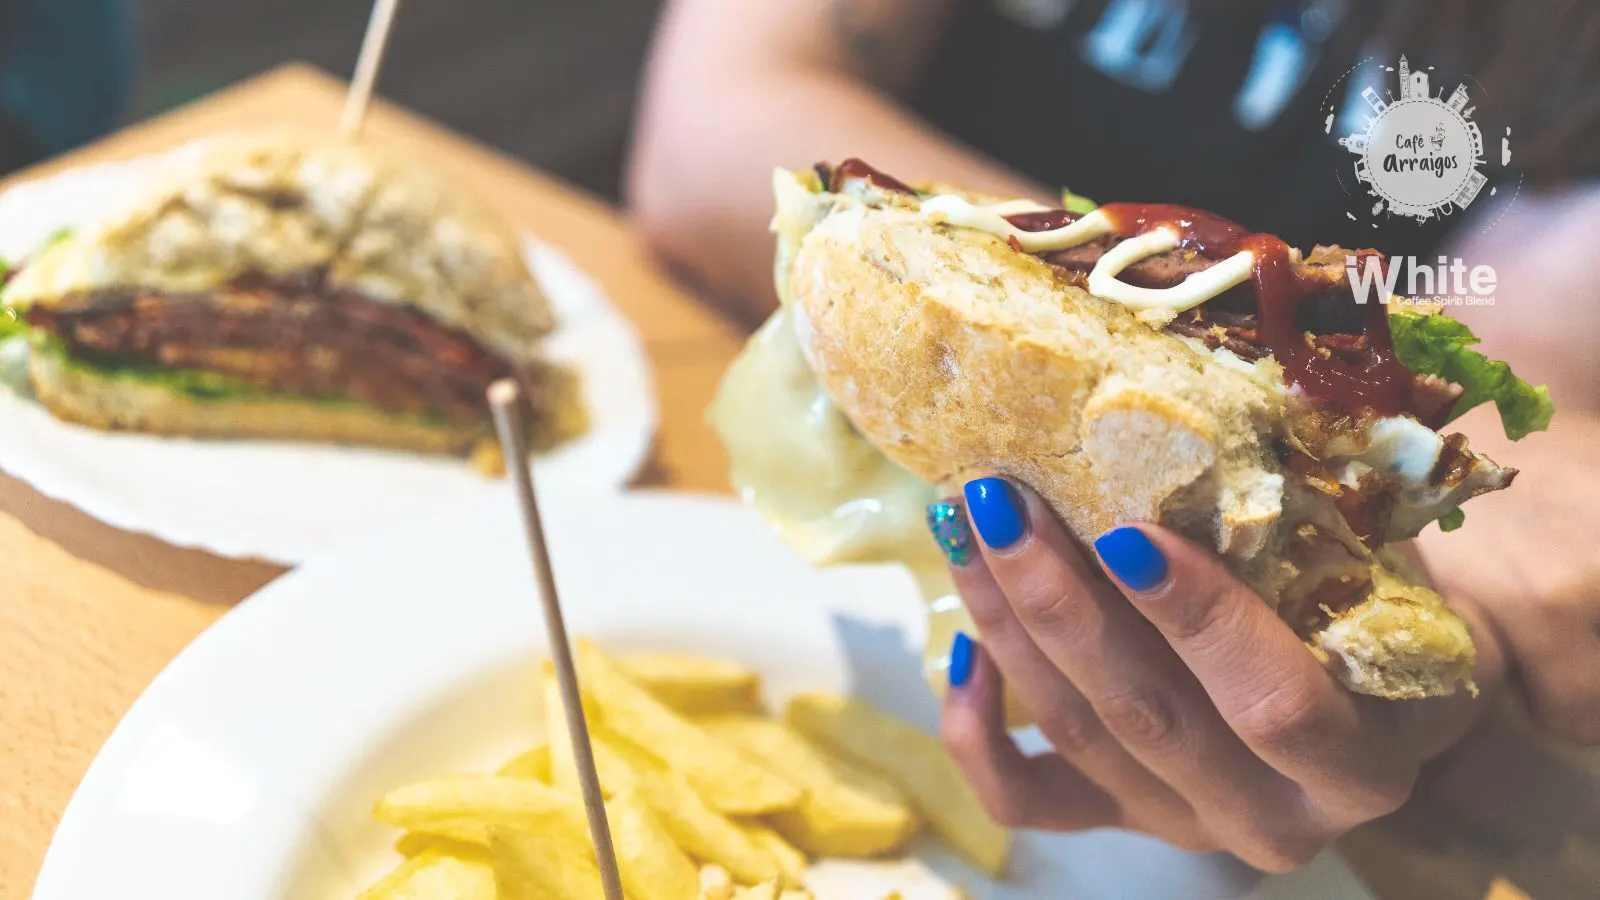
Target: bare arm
1545	319
1526	555
735	88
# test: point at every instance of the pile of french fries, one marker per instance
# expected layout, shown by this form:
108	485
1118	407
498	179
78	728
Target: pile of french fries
708	799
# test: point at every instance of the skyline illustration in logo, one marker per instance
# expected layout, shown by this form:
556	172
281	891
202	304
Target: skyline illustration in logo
1419	155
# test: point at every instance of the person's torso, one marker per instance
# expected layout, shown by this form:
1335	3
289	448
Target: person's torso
1160	101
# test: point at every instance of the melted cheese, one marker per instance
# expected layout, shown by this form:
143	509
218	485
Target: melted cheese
826	490
1399	448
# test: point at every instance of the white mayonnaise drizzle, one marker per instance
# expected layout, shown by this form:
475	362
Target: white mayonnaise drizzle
957	211
1103	281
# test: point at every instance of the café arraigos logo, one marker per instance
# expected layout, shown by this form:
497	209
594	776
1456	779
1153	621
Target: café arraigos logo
1419	155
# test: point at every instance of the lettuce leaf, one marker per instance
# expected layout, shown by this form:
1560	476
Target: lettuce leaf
1452	520
1075	203
203	385
193	383
11	323
1439	345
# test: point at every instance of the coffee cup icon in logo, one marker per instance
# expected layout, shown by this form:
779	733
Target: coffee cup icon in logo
1421	155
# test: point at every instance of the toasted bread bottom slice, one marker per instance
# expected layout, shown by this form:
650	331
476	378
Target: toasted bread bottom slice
82	394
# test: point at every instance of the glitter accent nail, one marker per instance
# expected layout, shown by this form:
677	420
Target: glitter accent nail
948	522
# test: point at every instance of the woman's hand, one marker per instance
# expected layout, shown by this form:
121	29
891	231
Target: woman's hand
1177	702
1527	557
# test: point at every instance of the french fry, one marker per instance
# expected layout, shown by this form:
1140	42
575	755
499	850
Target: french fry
771	890
791	861
434	876
914	761
637	758
707	800
728	780
701	831
704	833
532	764
455	831
462	807
616	771
716	883
652	866
525	869
695	685
846	812
416	843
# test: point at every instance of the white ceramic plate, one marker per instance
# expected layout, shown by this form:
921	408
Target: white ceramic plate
283	502
249	767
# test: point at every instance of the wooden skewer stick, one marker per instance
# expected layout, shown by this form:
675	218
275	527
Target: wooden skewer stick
368	63
505	400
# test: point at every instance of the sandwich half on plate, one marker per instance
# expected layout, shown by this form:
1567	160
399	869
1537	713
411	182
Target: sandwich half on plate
1130	363
297	287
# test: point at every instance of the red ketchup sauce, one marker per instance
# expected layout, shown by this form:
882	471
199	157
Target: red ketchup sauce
855	168
1382	384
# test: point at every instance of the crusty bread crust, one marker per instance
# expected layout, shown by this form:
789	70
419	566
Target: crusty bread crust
283	203
1403	642
959	357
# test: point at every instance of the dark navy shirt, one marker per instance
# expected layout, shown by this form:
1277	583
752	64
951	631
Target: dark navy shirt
66	69
1222	106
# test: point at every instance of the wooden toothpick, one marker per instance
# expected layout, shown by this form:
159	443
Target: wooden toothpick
368	63
505	401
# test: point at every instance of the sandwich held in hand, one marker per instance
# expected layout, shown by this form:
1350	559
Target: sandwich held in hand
291	286
1131	363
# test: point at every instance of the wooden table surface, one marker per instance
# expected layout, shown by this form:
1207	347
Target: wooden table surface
89	614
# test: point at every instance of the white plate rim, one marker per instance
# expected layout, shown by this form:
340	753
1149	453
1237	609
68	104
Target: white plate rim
879	596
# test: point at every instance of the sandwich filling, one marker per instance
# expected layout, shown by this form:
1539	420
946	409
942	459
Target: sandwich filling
283	335
1210	279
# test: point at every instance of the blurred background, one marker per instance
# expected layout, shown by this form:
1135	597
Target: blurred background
498	70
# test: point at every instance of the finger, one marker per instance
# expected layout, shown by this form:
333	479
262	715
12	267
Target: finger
1273	693
1138	687
1019	791
1059	710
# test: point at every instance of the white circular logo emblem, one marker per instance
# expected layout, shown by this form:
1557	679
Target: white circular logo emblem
1419	155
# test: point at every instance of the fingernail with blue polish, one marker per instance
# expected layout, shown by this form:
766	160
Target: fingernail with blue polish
1132	558
996	511
962	655
948	522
